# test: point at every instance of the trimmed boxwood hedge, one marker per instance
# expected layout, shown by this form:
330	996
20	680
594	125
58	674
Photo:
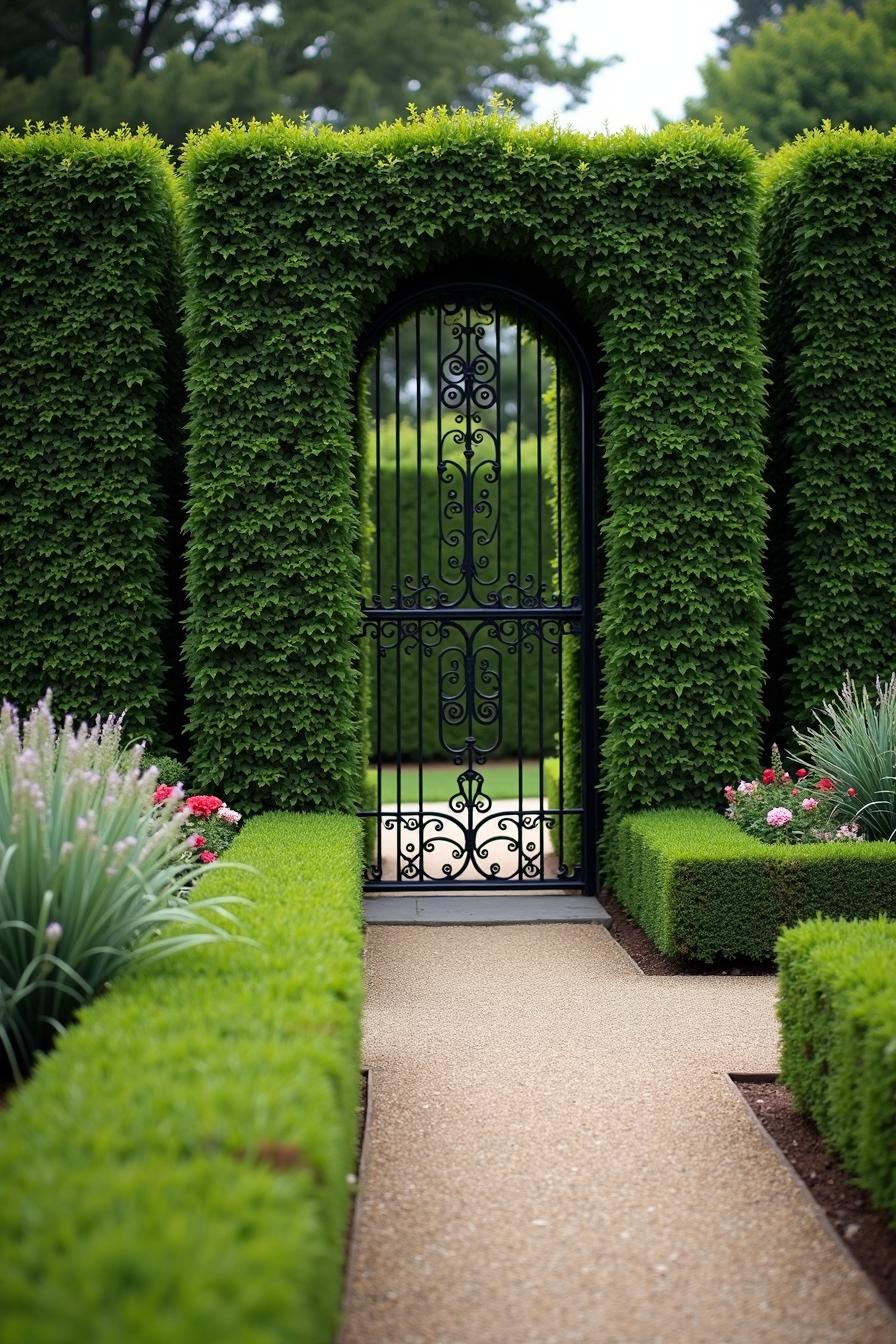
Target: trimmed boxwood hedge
701	888
87	243
829	258
837	1008
294	239
176	1169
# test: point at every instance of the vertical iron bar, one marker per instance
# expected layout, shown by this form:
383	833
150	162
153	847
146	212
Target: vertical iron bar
417	579
378	599
379	556
438	494
538	470
558	383
519	568
399	632
498	571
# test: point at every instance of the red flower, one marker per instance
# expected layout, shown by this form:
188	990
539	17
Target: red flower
207	856
162	792
204	804
827	784
851	792
801	774
768	776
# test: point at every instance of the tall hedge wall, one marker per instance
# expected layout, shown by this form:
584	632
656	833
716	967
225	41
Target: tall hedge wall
295	237
829	255
86	254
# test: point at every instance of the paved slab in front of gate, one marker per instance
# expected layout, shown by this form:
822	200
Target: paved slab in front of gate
471	908
555	1156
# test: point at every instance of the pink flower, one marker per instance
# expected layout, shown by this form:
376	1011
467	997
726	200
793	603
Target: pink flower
228	814
729	793
204	804
53	933
809	804
779	816
163	792
196	841
747	787
851	793
207	856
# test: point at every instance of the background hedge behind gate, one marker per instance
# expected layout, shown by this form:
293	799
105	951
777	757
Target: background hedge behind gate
295	237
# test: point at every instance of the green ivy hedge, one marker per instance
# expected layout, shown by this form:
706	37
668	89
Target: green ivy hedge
176	1169
701	888
294	239
829	257
87	248
837	1008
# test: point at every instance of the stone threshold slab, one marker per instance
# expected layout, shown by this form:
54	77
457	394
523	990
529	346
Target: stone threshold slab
470	908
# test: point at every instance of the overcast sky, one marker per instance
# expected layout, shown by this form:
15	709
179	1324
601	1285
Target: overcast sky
662	42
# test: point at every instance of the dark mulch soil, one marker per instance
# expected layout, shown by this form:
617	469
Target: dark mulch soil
652	962
863	1228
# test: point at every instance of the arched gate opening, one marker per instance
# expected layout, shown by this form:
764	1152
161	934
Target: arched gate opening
478	495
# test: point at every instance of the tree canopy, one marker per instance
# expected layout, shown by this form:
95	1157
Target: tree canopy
179	64
751	13
821	62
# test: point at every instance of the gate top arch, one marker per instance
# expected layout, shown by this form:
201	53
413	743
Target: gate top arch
293	238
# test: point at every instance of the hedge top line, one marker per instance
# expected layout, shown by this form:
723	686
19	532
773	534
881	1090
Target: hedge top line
427	130
438	129
823	144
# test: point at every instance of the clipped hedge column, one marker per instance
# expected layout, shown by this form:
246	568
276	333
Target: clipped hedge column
86	254
829	249
294	240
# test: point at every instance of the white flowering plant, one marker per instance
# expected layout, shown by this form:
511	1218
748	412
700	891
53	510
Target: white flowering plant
93	871
780	808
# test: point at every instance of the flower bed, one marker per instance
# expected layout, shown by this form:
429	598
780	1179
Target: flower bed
837	1007
176	1168
702	888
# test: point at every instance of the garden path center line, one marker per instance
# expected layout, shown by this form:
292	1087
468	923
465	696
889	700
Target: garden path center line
555	1155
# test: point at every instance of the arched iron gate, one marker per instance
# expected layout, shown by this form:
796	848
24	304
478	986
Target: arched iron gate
479	597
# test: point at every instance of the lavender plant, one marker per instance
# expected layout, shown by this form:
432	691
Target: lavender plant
92	872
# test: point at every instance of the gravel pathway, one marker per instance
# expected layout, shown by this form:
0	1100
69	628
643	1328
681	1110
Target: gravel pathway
556	1157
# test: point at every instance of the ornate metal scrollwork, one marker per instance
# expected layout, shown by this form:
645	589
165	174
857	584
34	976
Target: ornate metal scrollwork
457	627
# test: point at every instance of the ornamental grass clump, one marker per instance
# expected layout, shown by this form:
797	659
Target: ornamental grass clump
92	872
854	743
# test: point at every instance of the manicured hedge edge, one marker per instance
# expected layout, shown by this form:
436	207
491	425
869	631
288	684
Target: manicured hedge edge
837	1008
829	259
295	237
87	284
700	888
176	1169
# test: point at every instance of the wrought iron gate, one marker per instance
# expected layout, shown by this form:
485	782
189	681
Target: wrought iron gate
479	597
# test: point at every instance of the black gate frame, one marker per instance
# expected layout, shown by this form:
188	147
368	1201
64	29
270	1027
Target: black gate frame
485	285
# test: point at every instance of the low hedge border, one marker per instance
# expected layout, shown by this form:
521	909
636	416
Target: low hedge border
176	1169
701	888
837	1008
